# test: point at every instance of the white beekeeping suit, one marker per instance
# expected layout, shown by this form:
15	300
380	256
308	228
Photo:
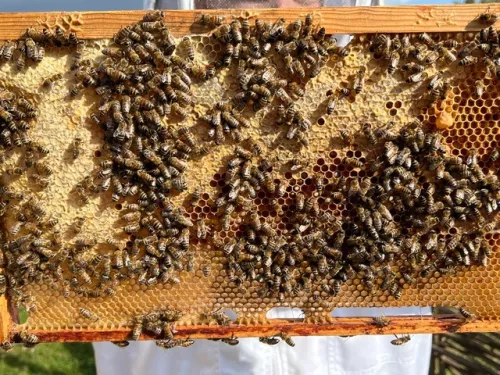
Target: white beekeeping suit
358	355
361	355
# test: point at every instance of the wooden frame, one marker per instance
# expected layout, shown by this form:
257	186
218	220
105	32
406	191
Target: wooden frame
343	20
359	20
294	327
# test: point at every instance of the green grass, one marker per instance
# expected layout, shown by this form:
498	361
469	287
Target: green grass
49	359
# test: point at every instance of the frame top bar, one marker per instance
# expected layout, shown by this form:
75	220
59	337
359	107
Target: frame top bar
336	20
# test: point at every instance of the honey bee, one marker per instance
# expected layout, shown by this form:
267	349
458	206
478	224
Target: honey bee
468	60
40	180
347	136
16	171
393	62
415	78
269	340
432	57
492	34
231	341
6	346
49	81
21	61
331	105
401	340
488	18
206	269
78	225
256	148
359	81
7	50
3	284
435	81
184	343
201	229
479	88
121	344
87	314
467	314
29	340
412	67
137	330
447	55
76	89
287	339
369	134
30	48
178	110
381	321
355	163
494	155
77	147
211	20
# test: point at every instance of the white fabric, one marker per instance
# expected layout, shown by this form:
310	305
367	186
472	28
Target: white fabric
360	355
149	4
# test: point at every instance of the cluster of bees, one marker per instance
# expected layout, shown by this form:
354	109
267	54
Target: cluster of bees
29	340
140	80
244	180
16	117
159	324
301	48
412	55
25	255
31	45
417	196
34	253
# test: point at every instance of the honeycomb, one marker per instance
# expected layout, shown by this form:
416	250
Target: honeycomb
384	98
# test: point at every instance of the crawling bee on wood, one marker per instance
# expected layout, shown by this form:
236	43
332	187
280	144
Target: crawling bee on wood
211	20
381	321
29	340
488	18
6	346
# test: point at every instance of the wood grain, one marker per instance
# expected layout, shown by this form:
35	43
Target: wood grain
294	327
342	20
5	321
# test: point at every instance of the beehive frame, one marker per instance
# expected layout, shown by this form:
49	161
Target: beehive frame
336	20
